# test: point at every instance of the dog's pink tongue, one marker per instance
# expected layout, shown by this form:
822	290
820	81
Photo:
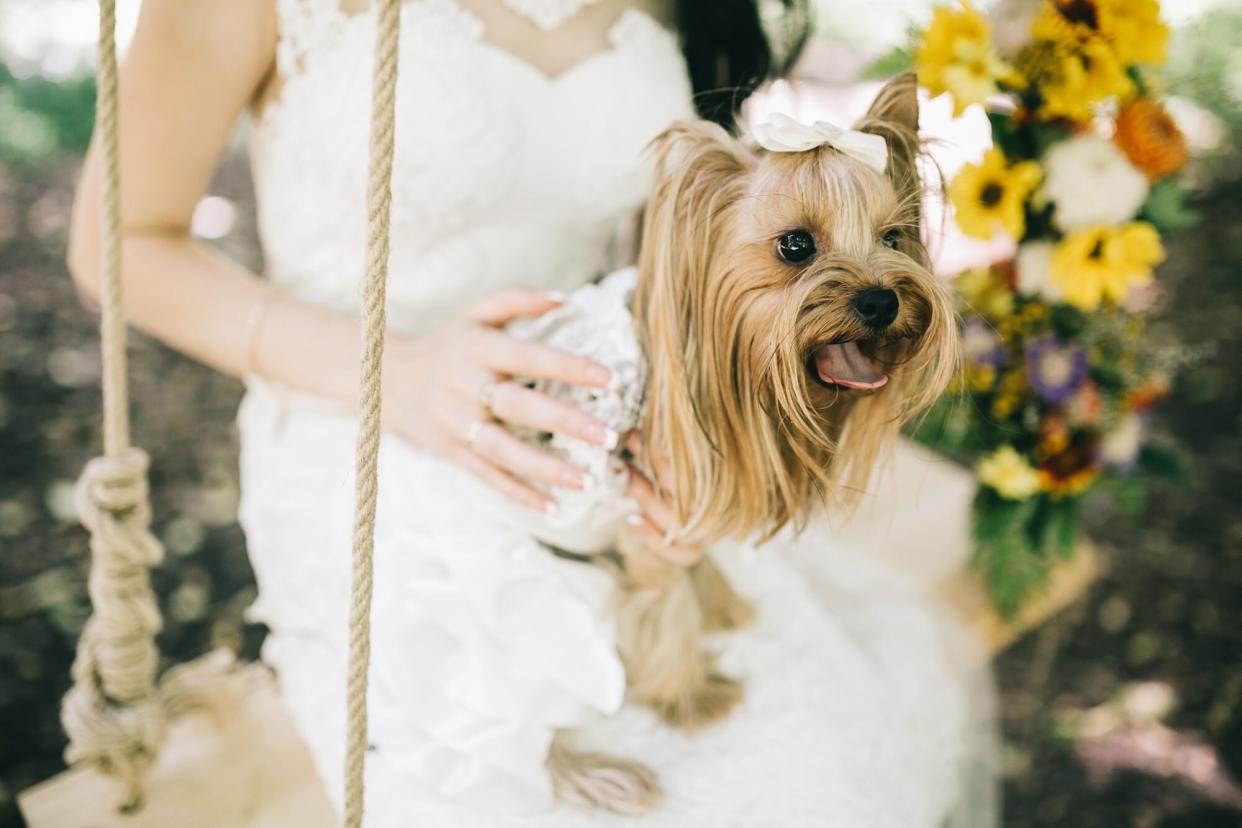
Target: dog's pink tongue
843	364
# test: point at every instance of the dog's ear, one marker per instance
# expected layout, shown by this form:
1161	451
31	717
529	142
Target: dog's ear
897	103
696	162
894	116
701	172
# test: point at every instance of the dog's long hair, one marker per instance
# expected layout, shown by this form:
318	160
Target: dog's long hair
751	441
747	432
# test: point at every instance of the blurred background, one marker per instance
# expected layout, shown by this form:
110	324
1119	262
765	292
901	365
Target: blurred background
1126	710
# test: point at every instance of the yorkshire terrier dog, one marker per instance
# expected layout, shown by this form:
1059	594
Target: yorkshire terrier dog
788	326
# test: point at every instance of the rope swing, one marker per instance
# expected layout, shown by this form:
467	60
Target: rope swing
115	714
114	718
374	287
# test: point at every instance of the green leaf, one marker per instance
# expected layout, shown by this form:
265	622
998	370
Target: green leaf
893	62
1004	136
1108	378
1068	321
1061	528
1166	206
1012	566
1036	525
1043	136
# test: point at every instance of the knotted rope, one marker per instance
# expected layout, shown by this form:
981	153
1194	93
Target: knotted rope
379	199
113	718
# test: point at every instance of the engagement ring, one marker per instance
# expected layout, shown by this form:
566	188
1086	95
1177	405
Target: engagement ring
485	394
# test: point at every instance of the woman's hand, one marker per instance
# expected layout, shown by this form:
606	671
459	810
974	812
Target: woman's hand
656	517
449	392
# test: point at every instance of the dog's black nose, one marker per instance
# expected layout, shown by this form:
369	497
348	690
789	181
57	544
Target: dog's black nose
877	307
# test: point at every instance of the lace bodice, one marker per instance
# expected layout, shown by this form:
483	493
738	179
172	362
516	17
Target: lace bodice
503	176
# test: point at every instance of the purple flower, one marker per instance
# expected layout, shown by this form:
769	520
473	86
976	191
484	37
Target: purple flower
981	345
1055	370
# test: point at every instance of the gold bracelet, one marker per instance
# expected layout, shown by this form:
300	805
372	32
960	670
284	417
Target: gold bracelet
257	315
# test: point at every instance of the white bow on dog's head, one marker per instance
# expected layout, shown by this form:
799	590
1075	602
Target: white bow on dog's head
781	133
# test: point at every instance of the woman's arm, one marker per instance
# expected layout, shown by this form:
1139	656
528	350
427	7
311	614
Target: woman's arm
191	71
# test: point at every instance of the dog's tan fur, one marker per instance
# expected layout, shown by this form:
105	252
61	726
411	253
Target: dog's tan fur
749	441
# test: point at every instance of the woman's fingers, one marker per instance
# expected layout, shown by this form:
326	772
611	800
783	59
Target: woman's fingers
676	553
505	354
501	307
514	403
656	510
506	484
496	445
659	465
655	520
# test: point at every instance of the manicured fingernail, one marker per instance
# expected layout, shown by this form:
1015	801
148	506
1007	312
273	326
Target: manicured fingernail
611	438
557	296
573	479
634	519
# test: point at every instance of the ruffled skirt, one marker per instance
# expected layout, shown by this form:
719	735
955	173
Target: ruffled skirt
865	704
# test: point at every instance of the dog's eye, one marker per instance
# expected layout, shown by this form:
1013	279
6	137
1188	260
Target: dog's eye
796	247
890	238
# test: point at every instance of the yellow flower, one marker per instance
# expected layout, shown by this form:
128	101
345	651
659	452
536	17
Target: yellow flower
1004	404
1076	79
1007	471
1130	28
1104	262
989	196
1135	30
957	56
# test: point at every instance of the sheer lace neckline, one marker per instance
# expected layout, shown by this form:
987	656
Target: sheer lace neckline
548	14
309	26
614	35
473	24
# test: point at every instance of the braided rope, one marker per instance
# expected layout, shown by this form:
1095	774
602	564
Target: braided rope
109	714
379	199
112	324
112	714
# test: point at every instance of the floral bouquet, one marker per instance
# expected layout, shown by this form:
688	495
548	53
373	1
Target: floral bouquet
1058	375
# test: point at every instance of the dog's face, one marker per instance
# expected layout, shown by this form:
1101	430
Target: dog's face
790	318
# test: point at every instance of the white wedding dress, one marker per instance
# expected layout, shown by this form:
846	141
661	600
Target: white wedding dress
862	706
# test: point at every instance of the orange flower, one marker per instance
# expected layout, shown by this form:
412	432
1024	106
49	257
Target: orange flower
1148	394
1148	136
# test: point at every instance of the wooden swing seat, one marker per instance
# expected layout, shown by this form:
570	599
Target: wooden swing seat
249	770
253	771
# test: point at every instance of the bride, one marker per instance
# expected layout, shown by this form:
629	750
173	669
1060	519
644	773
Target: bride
518	169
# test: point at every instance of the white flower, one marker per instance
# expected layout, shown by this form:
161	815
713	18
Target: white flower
780	133
1120	446
1033	264
1091	182
1011	25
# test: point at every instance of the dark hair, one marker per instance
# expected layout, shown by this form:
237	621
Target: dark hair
729	53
